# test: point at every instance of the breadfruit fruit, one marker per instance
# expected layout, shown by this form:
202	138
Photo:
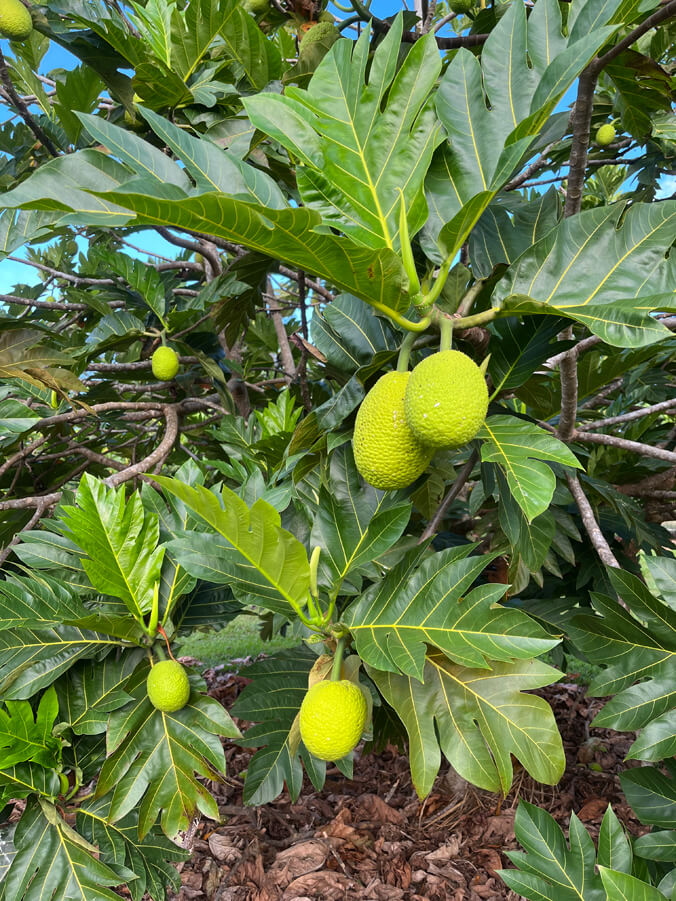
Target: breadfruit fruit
332	719
165	364
324	32
461	7
605	135
15	20
167	686
446	399
387	453
257	7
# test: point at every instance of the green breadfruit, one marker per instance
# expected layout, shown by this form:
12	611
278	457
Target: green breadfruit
387	453
15	20
461	7
322	33
165	364
168	687
326	16
605	135
257	7
332	719
446	399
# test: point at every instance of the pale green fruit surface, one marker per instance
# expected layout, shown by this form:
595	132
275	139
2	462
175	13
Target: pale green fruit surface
387	453
165	364
319	32
605	135
332	719
461	7
446	399
15	20
168	687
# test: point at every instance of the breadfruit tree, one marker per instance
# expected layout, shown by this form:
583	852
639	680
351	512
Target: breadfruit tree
361	325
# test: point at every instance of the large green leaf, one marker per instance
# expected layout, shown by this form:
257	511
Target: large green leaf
638	653
26	779
27	736
526	66
91	690
518	448
606	273
54	861
652	794
359	142
552	871
520	349
120	540
272	701
623	887
506	230
429	603
479	718
149	858
354	523
36	601
256	58
155	757
31	659
247	550
350	337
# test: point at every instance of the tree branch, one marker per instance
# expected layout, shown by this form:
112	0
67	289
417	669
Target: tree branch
644	450
629	417
22	109
666	12
457	487
596	536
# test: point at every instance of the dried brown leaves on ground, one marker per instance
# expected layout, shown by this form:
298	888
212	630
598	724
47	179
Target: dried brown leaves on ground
372	839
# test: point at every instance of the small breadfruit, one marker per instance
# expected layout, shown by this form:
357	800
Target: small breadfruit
326	16
446	399
605	135
15	20
257	7
461	7
167	686
165	364
322	32
387	453
332	719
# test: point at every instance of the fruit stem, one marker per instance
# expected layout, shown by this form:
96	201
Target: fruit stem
446	328
406	250
155	612
338	659
405	352
401	320
478	318
164	635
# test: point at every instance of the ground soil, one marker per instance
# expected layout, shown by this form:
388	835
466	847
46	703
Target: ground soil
372	839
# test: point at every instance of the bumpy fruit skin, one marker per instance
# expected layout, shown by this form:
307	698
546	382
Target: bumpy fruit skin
605	135
319	32
165	364
168	687
387	453
446	399
257	7
332	719
15	20
461	7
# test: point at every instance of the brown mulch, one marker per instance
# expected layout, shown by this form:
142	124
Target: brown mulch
372	839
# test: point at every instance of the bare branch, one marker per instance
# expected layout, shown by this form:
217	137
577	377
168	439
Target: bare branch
458	485
540	163
52	304
154	459
629	417
39	510
592	528
644	450
285	353
657	480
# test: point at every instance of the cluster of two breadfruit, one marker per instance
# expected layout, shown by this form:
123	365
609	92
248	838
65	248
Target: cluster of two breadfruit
408	416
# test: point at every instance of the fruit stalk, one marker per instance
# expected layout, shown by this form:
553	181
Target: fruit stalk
405	352
338	660
446	328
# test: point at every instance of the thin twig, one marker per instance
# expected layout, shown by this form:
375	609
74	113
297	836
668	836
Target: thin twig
596	536
644	450
22	109
457	487
629	417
